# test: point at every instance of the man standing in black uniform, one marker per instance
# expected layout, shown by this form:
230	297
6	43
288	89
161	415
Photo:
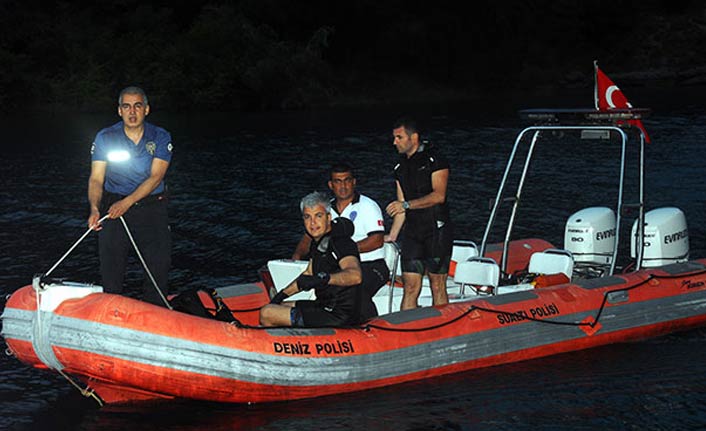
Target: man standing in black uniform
333	271
422	176
128	163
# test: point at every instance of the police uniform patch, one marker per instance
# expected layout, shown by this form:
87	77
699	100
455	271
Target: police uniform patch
169	147
93	148
151	147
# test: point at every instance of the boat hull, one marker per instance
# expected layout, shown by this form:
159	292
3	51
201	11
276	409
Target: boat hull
127	350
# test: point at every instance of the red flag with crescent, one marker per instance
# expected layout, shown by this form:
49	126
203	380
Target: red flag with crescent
608	96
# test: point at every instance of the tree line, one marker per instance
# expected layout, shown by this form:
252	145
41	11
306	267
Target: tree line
276	54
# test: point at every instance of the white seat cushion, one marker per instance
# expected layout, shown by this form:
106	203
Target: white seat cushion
552	261
478	272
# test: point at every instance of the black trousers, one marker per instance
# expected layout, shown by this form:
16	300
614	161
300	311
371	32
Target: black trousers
149	226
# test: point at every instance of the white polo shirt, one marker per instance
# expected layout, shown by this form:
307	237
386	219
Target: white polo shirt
367	219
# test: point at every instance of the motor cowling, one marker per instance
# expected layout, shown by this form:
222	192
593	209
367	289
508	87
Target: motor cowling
666	238
590	235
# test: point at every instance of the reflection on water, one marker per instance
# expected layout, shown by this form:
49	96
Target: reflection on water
234	205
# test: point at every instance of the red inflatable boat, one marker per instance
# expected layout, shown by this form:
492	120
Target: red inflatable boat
520	300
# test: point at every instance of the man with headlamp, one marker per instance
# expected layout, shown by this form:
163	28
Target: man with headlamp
128	163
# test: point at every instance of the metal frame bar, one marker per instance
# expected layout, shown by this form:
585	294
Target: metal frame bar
516	199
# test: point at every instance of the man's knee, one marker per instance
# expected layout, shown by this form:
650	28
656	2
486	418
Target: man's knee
275	315
264	315
412	281
437	281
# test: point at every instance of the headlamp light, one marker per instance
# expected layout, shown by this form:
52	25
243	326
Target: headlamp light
118	156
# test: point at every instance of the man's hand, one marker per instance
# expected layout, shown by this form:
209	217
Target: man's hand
279	297
394	208
93	221
120	207
308	282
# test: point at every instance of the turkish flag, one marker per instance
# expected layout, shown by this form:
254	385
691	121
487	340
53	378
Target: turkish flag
608	96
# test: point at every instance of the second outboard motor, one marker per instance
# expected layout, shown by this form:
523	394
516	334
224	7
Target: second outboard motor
666	238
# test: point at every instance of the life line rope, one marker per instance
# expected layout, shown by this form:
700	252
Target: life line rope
144	264
85	234
134	245
591	324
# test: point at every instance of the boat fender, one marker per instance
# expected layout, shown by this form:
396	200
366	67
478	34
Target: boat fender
189	302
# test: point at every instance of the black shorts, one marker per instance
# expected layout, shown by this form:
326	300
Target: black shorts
317	314
375	275
431	252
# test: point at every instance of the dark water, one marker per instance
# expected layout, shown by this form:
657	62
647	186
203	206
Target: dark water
236	182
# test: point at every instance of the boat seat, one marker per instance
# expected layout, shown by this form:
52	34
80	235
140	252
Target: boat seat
462	250
478	272
552	261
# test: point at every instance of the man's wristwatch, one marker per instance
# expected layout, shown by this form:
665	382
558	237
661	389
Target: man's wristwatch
405	205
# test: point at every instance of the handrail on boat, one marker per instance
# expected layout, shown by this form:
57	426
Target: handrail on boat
393	274
536	132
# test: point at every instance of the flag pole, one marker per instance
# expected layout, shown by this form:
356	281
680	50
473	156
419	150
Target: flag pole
595	83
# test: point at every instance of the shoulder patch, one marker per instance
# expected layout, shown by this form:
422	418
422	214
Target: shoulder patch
93	148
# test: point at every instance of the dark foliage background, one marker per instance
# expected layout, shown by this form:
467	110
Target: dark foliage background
278	54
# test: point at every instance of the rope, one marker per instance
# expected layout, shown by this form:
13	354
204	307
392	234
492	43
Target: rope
144	264
37	293
40	334
86	392
549	322
74	246
428	328
137	250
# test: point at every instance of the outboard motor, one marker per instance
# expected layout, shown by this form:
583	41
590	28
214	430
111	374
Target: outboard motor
590	236
666	238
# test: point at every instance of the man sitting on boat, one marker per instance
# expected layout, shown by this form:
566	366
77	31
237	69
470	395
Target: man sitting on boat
368	233
333	271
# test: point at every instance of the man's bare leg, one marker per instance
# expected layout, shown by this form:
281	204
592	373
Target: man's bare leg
412	287
438	288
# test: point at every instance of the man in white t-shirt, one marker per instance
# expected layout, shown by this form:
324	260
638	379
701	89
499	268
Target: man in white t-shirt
369	233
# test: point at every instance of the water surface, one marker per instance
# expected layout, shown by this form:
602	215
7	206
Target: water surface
235	183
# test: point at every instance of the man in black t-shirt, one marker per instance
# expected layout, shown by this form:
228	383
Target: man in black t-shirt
422	176
333	271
